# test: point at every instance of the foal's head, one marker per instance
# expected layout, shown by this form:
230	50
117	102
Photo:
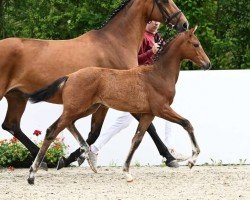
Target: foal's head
166	11
190	49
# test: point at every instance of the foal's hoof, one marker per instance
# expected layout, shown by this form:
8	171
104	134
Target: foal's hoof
92	165
80	160
44	166
129	178
31	181
190	164
173	164
61	163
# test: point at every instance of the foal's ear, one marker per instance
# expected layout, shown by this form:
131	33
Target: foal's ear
192	30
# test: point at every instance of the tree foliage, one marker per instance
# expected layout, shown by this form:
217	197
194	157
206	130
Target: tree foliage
223	24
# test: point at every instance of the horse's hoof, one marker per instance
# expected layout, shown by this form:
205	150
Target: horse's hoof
31	181
129	178
44	166
61	163
173	164
190	164
80	160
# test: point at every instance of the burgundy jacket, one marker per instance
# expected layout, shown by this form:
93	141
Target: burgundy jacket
145	55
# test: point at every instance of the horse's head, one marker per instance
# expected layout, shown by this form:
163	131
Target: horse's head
165	11
192	50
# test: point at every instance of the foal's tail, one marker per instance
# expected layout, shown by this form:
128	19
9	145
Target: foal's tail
48	91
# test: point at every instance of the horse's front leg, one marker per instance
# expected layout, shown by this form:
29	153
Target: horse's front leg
169	114
96	126
163	150
144	123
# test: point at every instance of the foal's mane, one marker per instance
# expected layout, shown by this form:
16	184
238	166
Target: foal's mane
164	49
115	12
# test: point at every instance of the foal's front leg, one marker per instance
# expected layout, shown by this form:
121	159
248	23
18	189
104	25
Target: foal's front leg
169	114
163	150
144	123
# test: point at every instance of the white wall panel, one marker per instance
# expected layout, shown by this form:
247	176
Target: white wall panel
217	103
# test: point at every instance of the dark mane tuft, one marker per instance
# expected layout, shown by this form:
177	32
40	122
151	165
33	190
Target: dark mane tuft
115	12
165	47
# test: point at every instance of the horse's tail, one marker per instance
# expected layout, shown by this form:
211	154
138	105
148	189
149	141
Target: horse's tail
48	91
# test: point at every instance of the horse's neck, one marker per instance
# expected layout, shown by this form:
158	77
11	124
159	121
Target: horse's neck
128	26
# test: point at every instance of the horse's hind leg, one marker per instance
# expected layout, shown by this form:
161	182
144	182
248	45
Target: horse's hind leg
96	125
16	106
145	121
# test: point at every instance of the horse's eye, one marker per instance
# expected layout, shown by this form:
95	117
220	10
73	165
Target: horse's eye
196	45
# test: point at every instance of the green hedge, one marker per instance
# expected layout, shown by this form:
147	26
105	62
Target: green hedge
14	154
223	24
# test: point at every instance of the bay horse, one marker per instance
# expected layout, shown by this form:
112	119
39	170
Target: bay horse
145	90
29	64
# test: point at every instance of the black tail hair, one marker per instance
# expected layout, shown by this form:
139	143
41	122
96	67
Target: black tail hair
47	92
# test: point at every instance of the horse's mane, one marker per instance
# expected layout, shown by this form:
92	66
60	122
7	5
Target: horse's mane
115	12
164	48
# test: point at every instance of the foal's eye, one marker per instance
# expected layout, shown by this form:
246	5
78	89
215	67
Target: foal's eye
196	45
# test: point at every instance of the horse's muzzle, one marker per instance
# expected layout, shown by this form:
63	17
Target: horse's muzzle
180	27
207	66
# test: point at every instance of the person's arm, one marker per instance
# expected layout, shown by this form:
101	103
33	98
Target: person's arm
144	57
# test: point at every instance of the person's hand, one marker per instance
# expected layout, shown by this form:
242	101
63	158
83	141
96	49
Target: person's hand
155	48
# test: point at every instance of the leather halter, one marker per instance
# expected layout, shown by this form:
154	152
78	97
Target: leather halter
165	14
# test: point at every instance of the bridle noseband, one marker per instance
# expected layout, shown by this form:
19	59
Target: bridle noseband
165	14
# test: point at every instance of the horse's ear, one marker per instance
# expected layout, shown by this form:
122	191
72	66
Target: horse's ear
192	30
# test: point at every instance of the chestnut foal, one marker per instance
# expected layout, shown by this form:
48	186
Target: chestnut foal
146	90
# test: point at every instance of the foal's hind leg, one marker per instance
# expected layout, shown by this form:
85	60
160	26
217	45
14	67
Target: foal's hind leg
169	114
145	121
82	143
96	125
16	107
64	162
64	120
50	136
